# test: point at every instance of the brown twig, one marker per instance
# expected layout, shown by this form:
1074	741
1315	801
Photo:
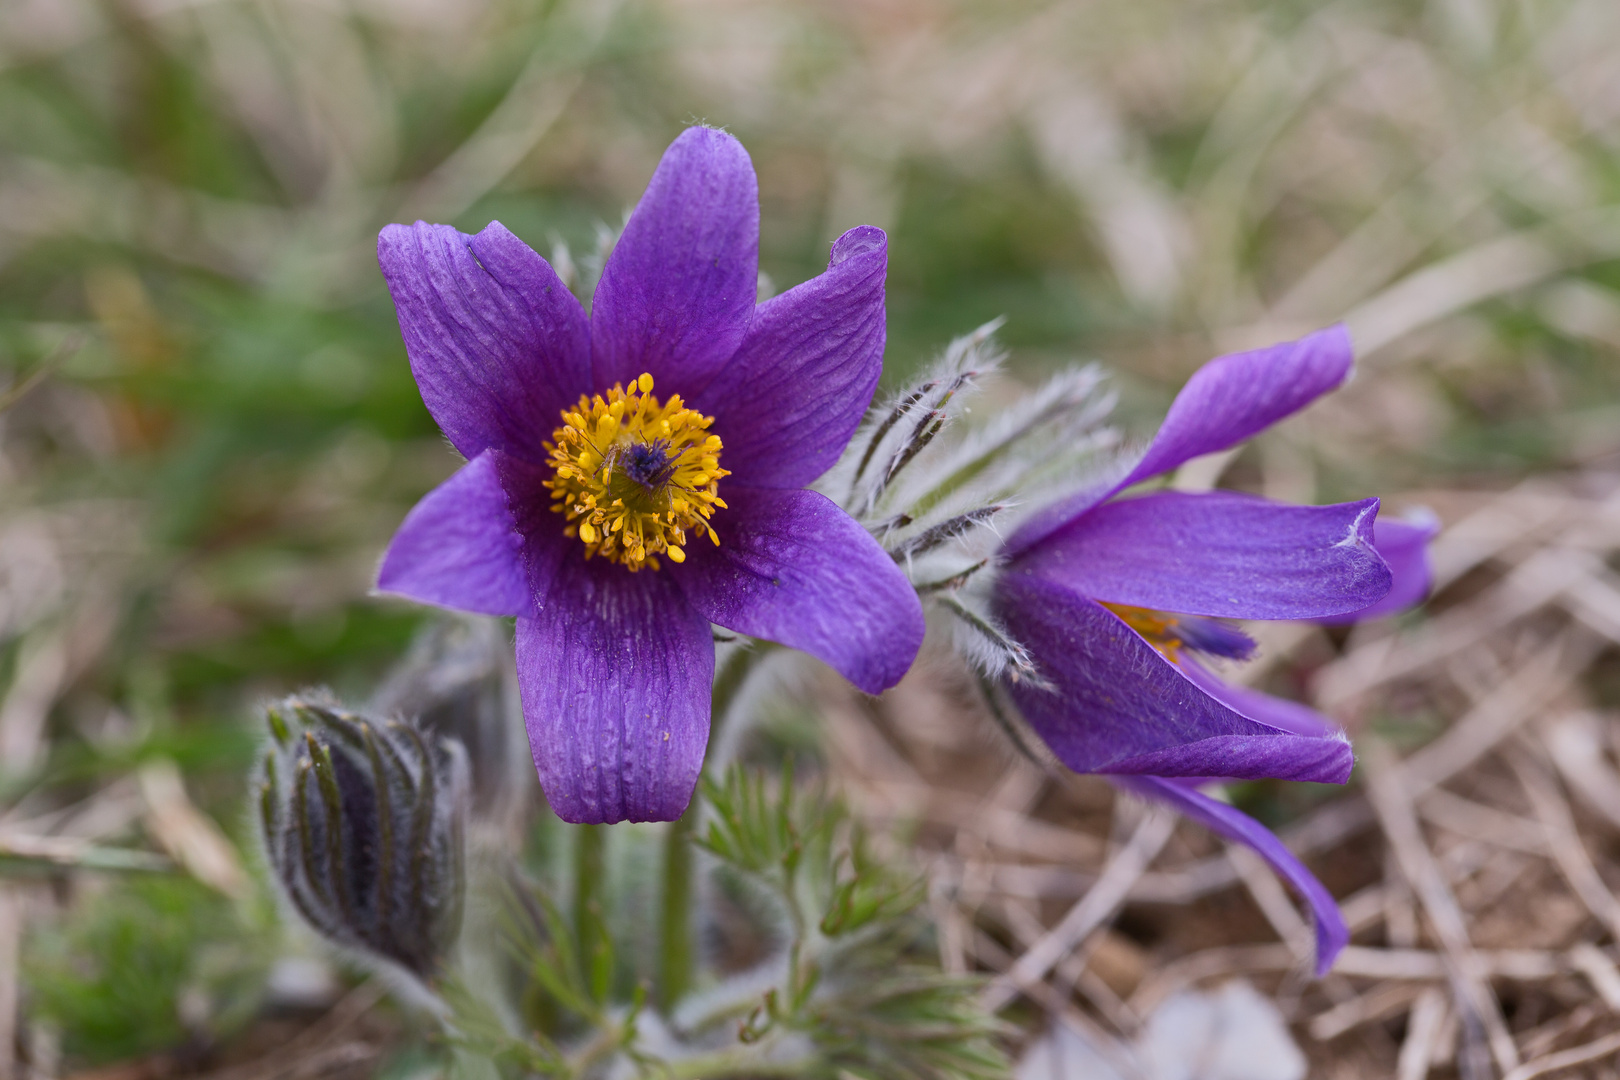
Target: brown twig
1580	1055
1389	788
1423	1031
1088	913
1384	999
1564	842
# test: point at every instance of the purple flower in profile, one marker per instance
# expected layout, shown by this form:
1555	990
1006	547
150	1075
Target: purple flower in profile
1115	598
638	474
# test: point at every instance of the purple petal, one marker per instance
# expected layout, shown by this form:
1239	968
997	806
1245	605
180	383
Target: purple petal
800	383
795	569
1273	711
1228	400
538	525
1331	932
459	548
678	291
1235	397
497	343
1116	706
1404	545
615	673
1220	553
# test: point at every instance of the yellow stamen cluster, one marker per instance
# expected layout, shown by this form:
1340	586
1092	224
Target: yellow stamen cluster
1155	626
635	475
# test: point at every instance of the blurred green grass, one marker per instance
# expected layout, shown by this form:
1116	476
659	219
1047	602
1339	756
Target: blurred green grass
111	978
192	502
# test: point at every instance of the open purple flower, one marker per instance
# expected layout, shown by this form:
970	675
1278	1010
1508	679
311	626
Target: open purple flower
1115	598
634	476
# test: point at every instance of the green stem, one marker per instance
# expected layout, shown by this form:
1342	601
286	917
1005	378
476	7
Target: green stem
675	959
590	925
675	920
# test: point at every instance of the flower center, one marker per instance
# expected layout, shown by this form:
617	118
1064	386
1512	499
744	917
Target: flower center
634	475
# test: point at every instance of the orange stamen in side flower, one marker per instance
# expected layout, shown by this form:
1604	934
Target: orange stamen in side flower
1157	627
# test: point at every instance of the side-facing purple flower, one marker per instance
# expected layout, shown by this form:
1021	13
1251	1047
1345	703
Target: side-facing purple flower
1114	598
617	525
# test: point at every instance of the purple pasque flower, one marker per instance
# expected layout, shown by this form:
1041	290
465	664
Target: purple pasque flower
1115	599
638	474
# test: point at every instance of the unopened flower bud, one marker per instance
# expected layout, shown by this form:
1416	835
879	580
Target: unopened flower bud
363	822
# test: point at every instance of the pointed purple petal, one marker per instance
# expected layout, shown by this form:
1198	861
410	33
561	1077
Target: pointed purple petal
1220	553
615	673
1228	400
1331	932
795	569
1116	706
1277	755
1404	545
800	383
1235	397
1274	711
497	343
678	291
459	548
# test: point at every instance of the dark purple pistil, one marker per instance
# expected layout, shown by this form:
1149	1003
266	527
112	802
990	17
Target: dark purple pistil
646	463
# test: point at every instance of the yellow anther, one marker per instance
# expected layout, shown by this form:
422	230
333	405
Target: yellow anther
633	475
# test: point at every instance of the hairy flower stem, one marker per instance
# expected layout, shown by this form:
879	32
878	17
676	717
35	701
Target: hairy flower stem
590	924
675	916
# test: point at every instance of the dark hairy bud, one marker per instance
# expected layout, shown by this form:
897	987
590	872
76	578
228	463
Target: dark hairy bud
363	821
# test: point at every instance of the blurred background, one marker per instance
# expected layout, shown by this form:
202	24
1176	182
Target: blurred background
208	429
